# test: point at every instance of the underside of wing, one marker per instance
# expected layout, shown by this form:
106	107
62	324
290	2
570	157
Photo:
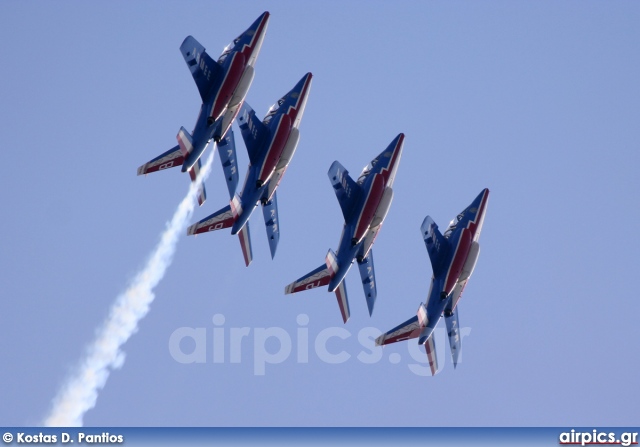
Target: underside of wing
316	278
453	333
228	158
270	213
368	277
170	159
407	330
216	221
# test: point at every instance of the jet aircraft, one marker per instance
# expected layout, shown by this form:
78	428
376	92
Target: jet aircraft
453	258
223	86
271	144
364	203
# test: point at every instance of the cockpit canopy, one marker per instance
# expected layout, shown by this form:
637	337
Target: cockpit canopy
453	225
228	49
272	110
367	170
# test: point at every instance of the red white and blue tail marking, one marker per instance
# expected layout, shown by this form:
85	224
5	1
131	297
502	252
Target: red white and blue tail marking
343	302
245	244
430	347
193	173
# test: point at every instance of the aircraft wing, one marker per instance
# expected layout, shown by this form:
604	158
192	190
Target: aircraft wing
407	330
170	159
204	70
453	332
253	132
368	277
227	151
270	213
347	191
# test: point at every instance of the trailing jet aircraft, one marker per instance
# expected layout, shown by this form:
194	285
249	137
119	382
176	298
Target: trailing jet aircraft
223	86
271	144
453	258
364	205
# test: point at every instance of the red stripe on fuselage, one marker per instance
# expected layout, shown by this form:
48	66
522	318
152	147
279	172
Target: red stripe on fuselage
459	258
370	206
386	172
462	253
476	224
283	131
275	149
229	85
247	50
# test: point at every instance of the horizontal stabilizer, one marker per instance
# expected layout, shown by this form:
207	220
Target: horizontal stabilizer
343	302
245	244
453	332
204	70
368	277
253	132
347	191
216	221
270	212
229	160
407	330
436	244
316	278
170	159
193	173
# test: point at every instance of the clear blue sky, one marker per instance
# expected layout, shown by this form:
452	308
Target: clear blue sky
538	101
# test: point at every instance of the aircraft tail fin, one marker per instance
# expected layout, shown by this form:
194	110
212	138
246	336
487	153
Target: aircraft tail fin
343	301
435	242
245	244
430	347
193	173
270	213
203	69
229	160
185	142
347	191
453	332
368	277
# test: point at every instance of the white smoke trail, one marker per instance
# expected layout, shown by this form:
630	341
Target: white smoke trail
80	392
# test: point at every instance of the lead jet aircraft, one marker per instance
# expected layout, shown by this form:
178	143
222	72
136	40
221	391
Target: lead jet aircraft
223	86
453	258
364	205
271	144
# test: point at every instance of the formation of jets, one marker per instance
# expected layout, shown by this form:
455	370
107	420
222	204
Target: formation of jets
271	144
